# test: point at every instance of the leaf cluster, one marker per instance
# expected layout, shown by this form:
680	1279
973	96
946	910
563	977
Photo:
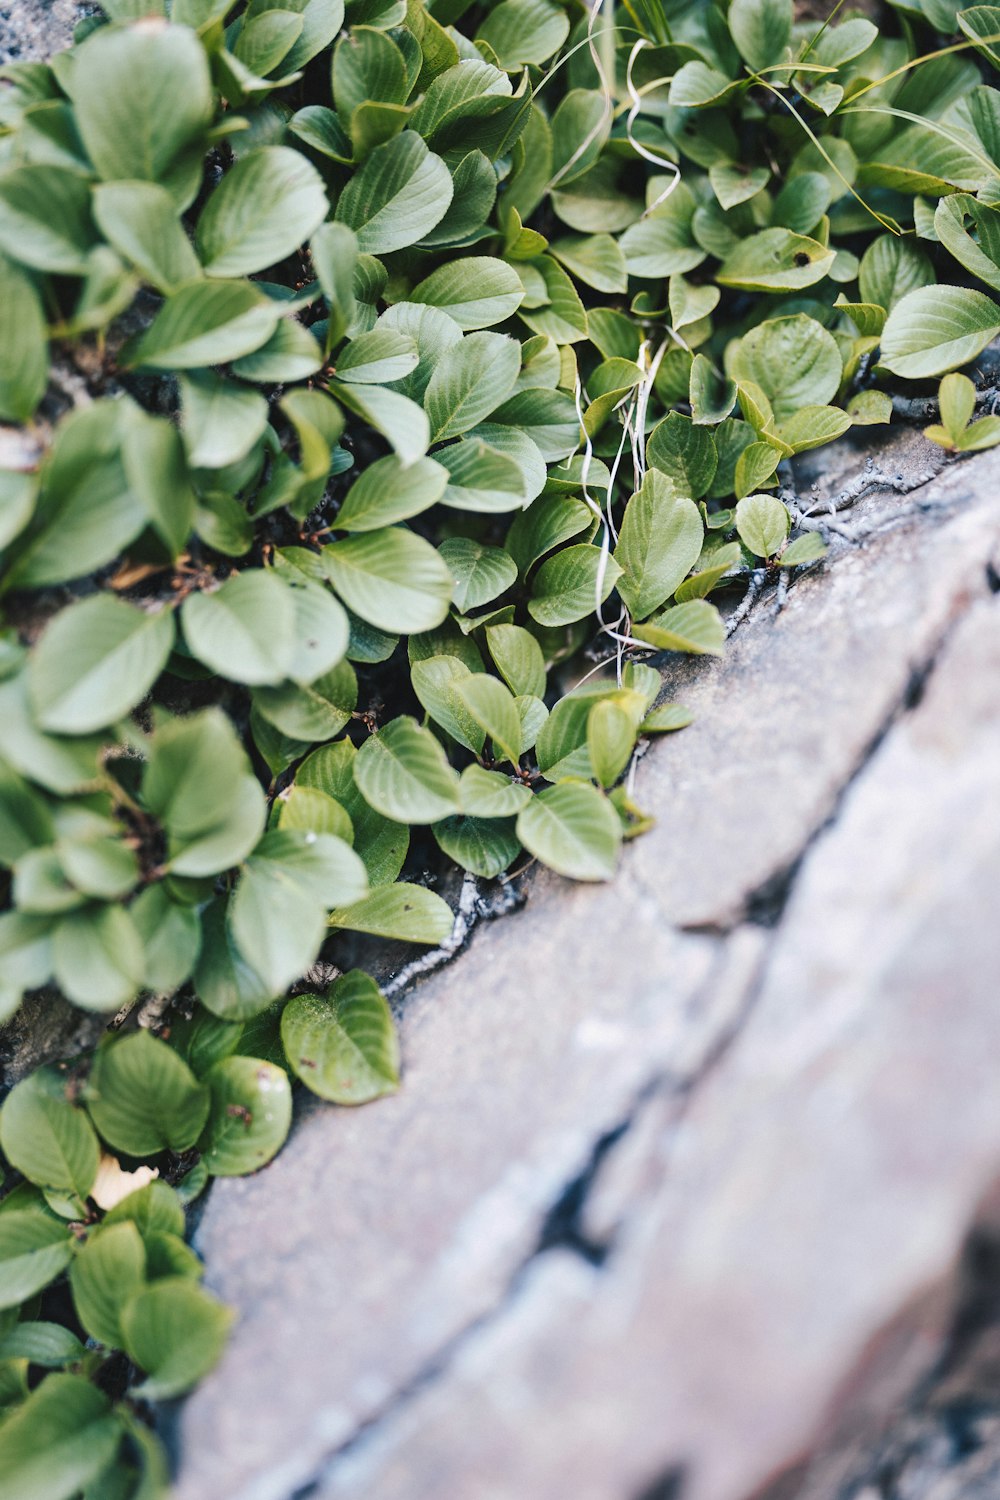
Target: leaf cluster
366	362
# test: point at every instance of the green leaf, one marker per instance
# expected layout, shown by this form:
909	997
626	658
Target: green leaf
712	398
665	719
659	543
980	435
153	457
435	680
481	573
572	584
35	1248
379	841
343	1045
367	65
175	1332
492	707
143	1097
396	417
518	658
203	1040
278	913
392	578
291	353
488	794
775	260
60	765
762	30
334	252
199	784
97	957
548	418
483	846
322	631
696	84
596	259
891	267
813	427
481	477
206	323
46	1344
694	627
45	221
759	461
388	491
223	980
24	373
220	420
524	31
662	243
58	1440
573	829
407	913
869	408
805	549
684	453
404	773
377	357
762	522
476	292
96	661
559	315
397	197
314	711
249	1117
470	89
793	360
245	630
957	399
140	221
937	328
470	381
266	39
734	184
46	1137
611	734
142	96
107	1271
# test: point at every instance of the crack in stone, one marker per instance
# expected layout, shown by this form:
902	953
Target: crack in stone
562	1229
764	906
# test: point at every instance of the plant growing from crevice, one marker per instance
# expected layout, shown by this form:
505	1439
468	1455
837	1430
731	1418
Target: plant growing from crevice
385	386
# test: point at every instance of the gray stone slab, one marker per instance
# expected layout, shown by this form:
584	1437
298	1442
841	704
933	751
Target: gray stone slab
31	30
378	1235
787	1267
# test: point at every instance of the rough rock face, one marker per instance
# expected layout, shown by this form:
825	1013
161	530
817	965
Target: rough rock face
34	29
674	1198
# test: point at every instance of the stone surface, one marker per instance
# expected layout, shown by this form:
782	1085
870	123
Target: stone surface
663	1212
788	1264
31	30
363	1253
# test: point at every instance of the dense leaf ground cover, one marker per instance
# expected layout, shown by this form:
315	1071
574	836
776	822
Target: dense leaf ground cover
364	369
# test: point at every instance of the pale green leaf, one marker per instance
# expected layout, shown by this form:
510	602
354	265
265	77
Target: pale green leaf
343	1045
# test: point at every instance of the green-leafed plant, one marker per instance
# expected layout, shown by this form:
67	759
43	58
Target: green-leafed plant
364	367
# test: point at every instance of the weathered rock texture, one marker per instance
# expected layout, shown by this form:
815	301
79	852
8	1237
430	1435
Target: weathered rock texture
34	29
674	1198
